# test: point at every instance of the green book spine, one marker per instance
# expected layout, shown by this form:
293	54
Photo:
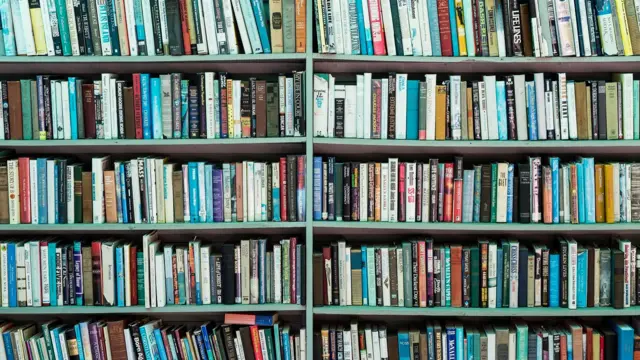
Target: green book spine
476	344
77	193
63	27
288	28
140	277
273	117
276	333
505	274
407	269
269	340
338	190
371	275
475	277
25	91
447	276
494	191
46	330
522	340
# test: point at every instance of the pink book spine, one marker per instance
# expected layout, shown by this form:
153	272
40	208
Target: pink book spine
377	32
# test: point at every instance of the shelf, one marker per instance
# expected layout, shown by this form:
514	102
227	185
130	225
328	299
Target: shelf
217	228
378	311
273	63
340	146
382	228
169	309
363	63
237	147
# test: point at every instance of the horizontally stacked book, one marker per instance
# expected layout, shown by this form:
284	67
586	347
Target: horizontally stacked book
513	107
579	192
240	336
493	275
516	339
152	27
150	190
478	27
169	106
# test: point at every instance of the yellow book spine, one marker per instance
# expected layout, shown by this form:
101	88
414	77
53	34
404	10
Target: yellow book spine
462	39
230	120
38	31
191	25
624	27
275	9
599	175
608	190
492	30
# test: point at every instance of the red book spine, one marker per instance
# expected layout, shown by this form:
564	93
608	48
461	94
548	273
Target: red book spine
326	257
377	31
445	28
255	340
457	200
301	187
448	193
283	189
89	111
165	343
192	276
133	264
96	268
422	273
25	190
184	20
292	255
137	105
402	192
101	341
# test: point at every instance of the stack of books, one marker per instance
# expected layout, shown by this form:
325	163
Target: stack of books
579	192
55	272
152	27
169	106
422	273
239	336
150	190
478	27
518	339
512	107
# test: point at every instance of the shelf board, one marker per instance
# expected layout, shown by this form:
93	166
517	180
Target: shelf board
382	228
217	228
340	146
169	309
242	63
237	147
364	63
377	311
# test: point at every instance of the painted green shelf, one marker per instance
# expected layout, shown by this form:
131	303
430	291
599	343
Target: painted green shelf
472	312
150	59
169	309
238	227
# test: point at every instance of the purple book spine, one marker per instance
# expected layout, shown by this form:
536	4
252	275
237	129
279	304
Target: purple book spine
218	212
429	274
212	274
93	339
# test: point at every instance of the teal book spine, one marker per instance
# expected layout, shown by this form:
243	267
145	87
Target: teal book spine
447	276
477	176
510	193
8	36
53	296
404	348
156	108
494	191
146	347
406	263
43	209
161	350
589	188
76	328
13	287
625	336
360	19
501	106
193	192
113	27
73	106
522	341
506	265
413	104
184	98
554	162
636	109
371	274
469	355
140	277
581	207
459	342
434	27
120	289
258	12
475	277
276	335
467	196
25	91
554	281
63	27
430	343
147	118
476	345
582	280
454	28
532	115
365	285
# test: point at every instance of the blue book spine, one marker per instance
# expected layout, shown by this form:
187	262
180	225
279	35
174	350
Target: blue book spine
145	97
123	191
317	188
434	27
218	195
262	271
476	194
206	340
63	26
589	188
447	276
581	207
7	28
510	193
451	343
73	114
158	336
260	22
7	339
555	189
404	350
286	345
56	194
454	28
184	96
365	285
554	282
13	287
625	341
467	196
139	26
532	115
156	108
582	280
413	104
208	184
79	341
43	210
569	348
361	33
501	105
113	27
194	203
182	296
53	293
77	264
120	275
499	275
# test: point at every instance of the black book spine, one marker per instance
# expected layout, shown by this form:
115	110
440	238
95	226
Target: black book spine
437	277
545	277
202	104
64	275
556	347
524	193
602	111
508	30
564	274
194	113
511	108
134	329
516	200
299	123
325	191
221	36
71	276
485	194
596	28
378	263
331	193
143	190
346	192
129	191
414	275
433	192
339	343
5	108
522	276
62	191
292	174
477	134
391	133
120	108
339	115
228	274
447	116
355	191
466	277
281	104
174	26
552	28
548	90
252	101
228	342
335	289
594	109
86	28
157	31
516	27
77	14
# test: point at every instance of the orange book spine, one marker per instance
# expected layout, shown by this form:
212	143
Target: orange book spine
255	339
441	111
608	193
547	198
301	26
563	347
599	193
456	276
192	277
573	183
422	273
239	319
448	192
377	198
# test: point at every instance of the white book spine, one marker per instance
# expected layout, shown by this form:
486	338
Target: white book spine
386	290
107	273
384	190
347	345
342	276
501	206
250	191
46	24
521	106
33	182
164	29
364	185
456	126
513	274
320	106
538	79
211	118
426	187
161	291
14	191
393	190
387	20
148	29
425	29
257	186
237	93
168	194
226	189
586	39
384	109
574	27
492	110
360	106
245	190
73	32
626	81
131	27
27	267
414	7
60	111
27	27
400	271
337	26
127	273
564	107
205	270
431	106
366	119
571	97
97	169
410	201
209	44
492	267
106	105
549	111
232	42
331	125
484	122
289	107
51	210
242	28
572	275
405	30
355	341
350	111
65	110
401	106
